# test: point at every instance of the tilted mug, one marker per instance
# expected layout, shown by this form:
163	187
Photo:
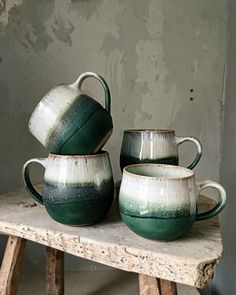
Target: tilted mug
77	190
159	201
154	146
68	121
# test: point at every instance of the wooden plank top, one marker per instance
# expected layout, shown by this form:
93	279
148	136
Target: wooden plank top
189	260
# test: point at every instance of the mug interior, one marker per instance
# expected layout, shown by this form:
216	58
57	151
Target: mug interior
159	171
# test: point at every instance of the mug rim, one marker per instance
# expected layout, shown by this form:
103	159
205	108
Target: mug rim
191	172
150	130
99	153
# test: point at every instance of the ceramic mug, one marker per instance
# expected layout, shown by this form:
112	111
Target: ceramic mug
77	190
159	201
67	121
154	146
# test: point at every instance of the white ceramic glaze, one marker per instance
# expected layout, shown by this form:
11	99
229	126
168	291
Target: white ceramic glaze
69	122
156	189
154	146
49	111
77	169
150	144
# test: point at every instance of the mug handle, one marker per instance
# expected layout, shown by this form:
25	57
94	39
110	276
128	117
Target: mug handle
26	177
78	84
201	185
179	140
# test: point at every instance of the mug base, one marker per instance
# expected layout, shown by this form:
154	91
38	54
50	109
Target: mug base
80	213
159	229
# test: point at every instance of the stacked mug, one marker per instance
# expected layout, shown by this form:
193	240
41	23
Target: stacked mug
78	185
158	198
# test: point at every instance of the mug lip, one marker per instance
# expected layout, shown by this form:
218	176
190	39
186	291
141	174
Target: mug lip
162	130
191	172
99	153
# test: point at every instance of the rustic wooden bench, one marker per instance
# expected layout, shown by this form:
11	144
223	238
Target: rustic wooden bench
189	260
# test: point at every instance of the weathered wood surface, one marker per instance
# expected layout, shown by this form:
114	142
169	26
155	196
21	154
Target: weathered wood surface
148	285
10	268
168	287
189	260
153	286
55	272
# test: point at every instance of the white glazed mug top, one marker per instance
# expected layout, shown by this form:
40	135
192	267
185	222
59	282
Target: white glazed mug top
158	171
158	146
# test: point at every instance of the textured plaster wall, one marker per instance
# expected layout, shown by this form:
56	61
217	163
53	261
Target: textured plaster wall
224	282
164	62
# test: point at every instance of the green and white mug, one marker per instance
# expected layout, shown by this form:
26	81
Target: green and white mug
154	146
159	201
77	190
69	122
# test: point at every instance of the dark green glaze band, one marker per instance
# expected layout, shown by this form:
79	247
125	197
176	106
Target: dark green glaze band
76	204
161	213
80	212
128	160
80	134
65	192
157	228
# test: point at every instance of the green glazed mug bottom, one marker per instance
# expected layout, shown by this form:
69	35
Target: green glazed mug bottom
79	213
159	229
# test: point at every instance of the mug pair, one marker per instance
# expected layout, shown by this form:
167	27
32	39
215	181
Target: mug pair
77	189
69	122
156	200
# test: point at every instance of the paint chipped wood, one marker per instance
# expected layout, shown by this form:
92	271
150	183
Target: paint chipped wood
189	260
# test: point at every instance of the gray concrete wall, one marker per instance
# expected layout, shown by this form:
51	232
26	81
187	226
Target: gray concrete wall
164	61
225	282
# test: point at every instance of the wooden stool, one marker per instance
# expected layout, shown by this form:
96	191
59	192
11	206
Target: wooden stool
11	264
189	260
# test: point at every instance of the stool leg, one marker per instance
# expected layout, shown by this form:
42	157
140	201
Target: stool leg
10	269
168	287
148	285
153	286
55	272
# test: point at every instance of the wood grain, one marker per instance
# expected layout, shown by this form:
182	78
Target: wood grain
149	285
153	286
10	269
55	272
168	288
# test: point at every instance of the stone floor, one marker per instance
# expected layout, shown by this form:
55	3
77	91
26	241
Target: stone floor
102	282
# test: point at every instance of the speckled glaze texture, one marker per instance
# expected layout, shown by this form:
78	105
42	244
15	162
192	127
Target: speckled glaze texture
77	190
160	201
153	146
67	121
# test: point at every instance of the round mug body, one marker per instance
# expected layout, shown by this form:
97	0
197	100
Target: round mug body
160	201
158	146
67	121
77	190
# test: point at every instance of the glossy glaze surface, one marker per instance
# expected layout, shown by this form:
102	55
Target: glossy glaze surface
160	201
67	121
77	190
158	146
